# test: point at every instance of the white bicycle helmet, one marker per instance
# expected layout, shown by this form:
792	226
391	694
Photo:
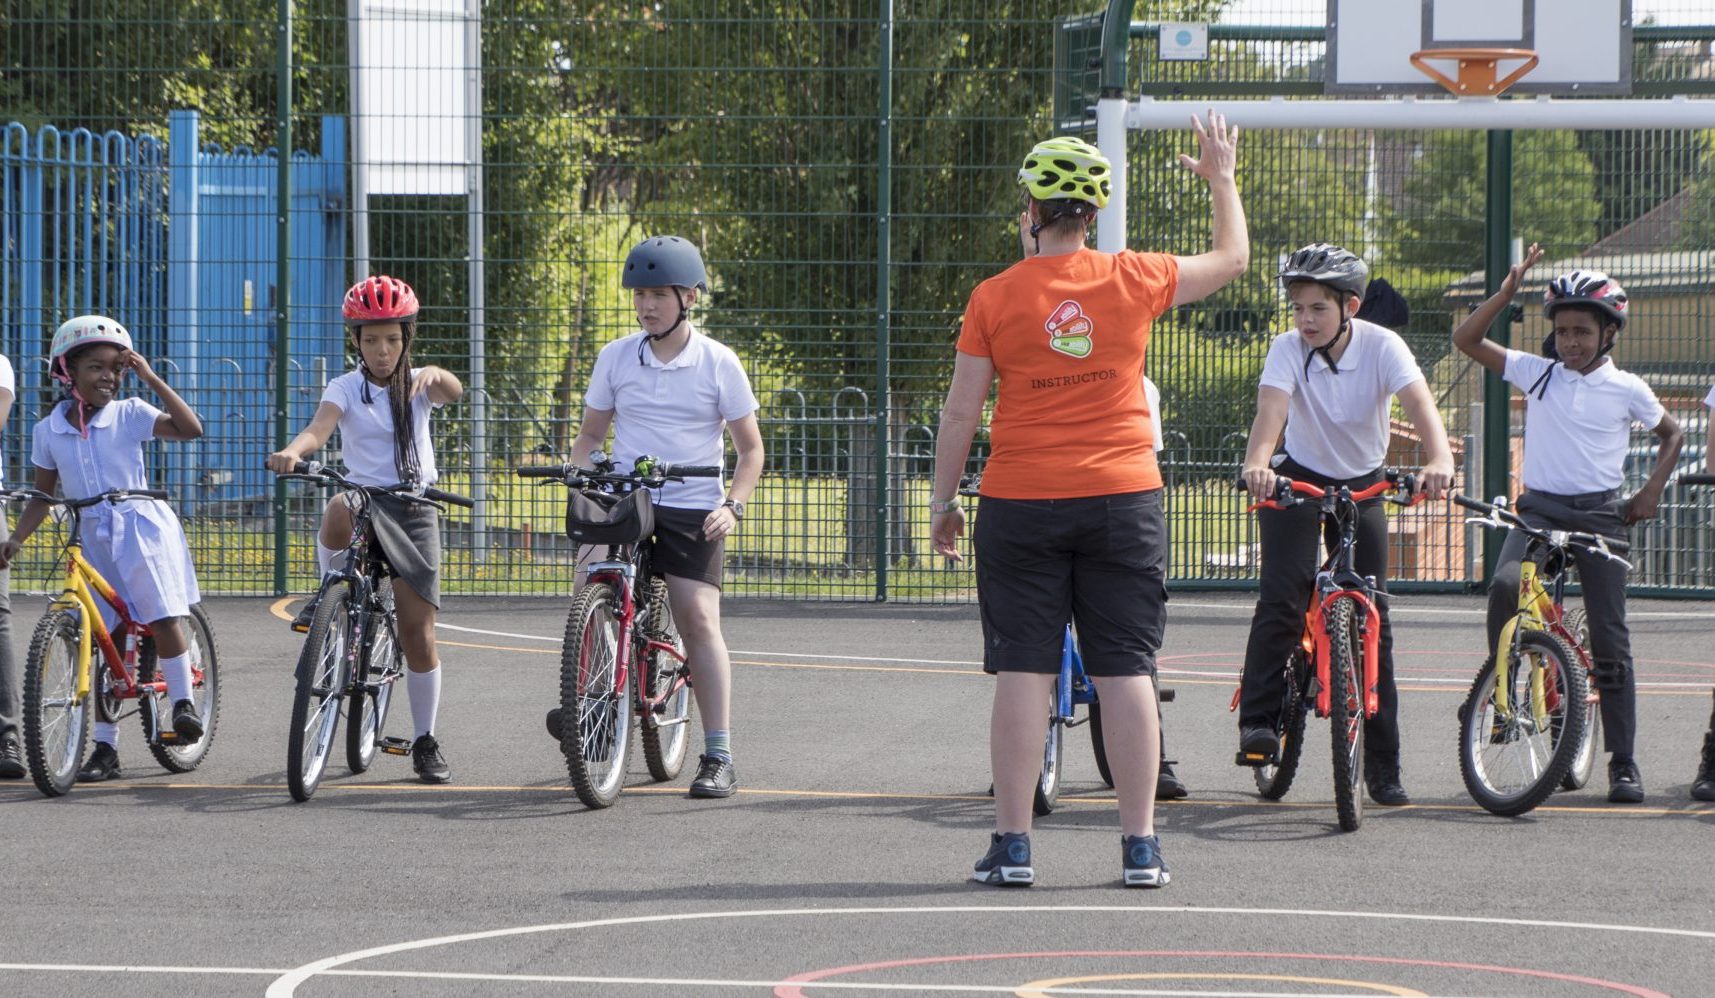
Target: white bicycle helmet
81	332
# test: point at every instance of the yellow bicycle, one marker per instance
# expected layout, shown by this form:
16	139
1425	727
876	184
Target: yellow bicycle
61	687
1528	725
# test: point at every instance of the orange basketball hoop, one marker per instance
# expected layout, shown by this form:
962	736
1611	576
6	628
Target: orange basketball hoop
1476	69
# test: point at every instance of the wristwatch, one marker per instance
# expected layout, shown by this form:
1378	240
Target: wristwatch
939	506
736	507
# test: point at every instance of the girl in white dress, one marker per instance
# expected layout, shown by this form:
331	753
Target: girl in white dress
91	442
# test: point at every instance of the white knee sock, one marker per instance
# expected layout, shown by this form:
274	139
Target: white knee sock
325	557
107	731
177	672
424	689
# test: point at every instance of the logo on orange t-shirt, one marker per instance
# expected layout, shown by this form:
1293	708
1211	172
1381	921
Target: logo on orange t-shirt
1069	330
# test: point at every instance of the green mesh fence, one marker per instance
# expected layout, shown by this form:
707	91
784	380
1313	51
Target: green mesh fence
847	169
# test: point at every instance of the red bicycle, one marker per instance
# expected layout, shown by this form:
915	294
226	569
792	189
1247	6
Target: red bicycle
622	656
1334	667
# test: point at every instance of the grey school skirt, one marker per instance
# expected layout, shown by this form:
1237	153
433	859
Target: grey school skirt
410	537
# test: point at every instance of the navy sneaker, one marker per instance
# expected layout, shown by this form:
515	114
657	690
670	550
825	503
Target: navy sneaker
1007	863
1142	865
1625	783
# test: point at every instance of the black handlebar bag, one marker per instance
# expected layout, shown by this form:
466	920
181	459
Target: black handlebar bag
594	517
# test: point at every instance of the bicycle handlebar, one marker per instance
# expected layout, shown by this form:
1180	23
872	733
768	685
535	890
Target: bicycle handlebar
1697	479
1497	515
320	474
1289	492
658	473
111	495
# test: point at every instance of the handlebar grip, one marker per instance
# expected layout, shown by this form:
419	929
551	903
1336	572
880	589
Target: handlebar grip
692	470
541	471
1618	546
152	493
1697	479
449	497
1469	503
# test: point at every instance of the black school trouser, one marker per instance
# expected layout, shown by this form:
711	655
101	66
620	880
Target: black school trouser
1604	587
1291	553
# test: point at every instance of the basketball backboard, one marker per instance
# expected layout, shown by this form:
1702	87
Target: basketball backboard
1582	46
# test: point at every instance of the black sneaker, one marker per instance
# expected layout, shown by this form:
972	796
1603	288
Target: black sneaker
554	724
1168	785
187	722
1625	783
1384	786
1257	746
1141	864
715	777
1703	787
301	623
1007	863
427	760
11	760
102	764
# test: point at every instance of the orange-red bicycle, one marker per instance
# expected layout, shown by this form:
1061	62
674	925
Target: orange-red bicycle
1334	667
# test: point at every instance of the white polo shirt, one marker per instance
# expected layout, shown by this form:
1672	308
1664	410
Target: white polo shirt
1710	400
366	431
675	411
1337	424
9	382
1577	432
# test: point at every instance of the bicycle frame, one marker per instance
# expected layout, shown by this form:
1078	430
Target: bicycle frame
621	569
82	584
1538	608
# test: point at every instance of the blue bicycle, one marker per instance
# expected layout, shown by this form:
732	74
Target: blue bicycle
1073	689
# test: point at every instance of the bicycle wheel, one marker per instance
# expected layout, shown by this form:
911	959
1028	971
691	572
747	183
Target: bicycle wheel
1275	779
323	671
381	665
1048	782
1510	760
56	723
597	744
1584	761
666	735
1346	711
1096	743
199	639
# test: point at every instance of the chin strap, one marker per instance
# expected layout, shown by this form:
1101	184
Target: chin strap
78	401
1327	351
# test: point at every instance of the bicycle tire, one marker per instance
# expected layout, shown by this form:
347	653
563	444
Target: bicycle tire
667	736
322	677
56	727
597	739
1584	761
199	638
1346	711
1097	745
381	665
1275	779
1047	794
1493	748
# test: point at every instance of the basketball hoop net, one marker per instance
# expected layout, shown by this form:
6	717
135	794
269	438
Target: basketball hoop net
1476	69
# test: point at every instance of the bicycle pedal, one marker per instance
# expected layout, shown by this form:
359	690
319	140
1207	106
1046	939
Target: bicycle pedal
1254	759
394	746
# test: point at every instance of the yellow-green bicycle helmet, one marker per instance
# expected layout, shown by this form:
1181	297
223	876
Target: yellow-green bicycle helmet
1067	168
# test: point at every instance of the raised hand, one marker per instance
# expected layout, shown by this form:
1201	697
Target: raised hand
1218	146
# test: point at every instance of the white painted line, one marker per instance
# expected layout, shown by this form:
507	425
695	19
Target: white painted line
287	984
496	634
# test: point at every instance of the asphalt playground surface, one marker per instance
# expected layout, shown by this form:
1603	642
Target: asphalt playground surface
840	867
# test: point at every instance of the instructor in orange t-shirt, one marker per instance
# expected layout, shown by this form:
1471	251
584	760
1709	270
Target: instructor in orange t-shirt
1072	525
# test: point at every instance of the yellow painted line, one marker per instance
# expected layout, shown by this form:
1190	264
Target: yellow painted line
1697	811
278	607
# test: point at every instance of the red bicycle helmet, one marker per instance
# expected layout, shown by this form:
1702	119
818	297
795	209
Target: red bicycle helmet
379	299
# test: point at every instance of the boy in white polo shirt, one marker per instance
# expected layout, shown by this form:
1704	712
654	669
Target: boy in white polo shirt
668	392
1579	411
1328	384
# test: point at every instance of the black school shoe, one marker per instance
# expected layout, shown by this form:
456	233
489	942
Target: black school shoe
102	764
1625	783
11	760
716	777
427	760
1168	785
187	722
1384	786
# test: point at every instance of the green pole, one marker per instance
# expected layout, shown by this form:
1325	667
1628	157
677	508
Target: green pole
1116	35
282	265
1497	414
883	297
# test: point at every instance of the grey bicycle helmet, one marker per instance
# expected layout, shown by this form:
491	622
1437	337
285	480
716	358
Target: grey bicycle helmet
660	261
1327	264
